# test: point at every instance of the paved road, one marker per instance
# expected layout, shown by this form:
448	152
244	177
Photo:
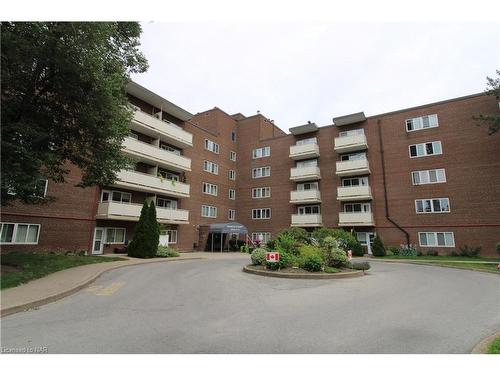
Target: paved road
211	306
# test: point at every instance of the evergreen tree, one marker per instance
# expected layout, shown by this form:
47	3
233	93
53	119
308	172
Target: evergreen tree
378	248
138	246
154	231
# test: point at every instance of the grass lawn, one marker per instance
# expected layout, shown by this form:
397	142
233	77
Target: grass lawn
494	347
443	258
466	266
19	268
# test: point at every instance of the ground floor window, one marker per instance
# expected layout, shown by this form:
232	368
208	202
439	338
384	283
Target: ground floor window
172	235
436	239
115	235
19	233
263	237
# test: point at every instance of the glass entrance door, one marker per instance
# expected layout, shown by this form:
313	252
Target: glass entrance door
98	241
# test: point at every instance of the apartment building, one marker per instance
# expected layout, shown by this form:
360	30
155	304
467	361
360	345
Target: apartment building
424	175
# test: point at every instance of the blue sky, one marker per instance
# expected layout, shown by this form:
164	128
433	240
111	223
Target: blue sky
299	72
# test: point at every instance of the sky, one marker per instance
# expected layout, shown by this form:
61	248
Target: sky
296	72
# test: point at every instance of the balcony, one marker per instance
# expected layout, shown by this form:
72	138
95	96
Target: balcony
352	167
305	196
132	212
151	184
156	128
305	174
350	143
353	219
311	220
307	151
152	154
354	193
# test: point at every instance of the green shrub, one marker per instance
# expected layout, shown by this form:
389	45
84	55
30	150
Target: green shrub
498	248
362	266
258	256
146	238
389	253
337	258
321	233
331	270
432	253
408	251
470	251
312	263
286	243
394	250
271	244
378	248
166	252
298	234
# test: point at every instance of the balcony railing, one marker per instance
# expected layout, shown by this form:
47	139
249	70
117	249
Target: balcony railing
350	143
310	220
305	174
354	193
148	183
305	196
153	154
356	219
132	212
160	129
305	151
352	167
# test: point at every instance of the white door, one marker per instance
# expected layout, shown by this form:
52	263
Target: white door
366	239
98	241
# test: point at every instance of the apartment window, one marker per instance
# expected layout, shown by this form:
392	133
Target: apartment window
262	152
210	167
172	235
232	174
352	133
353	156
210	189
232	194
307	163
436	239
233	136
169	148
432	205
19	233
308	210
261	192
355	181
232	155
306	141
166	203
431	176
357	207
262	237
419	123
115	196
208	211
261	172
115	235
211	146
261	213
231	214
425	149
307	186
168	175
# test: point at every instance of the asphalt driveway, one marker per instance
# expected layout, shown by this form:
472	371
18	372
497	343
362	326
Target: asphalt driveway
211	306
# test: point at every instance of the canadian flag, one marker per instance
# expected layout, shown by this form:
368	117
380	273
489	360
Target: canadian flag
273	257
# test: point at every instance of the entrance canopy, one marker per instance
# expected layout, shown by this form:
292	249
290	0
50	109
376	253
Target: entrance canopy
231	227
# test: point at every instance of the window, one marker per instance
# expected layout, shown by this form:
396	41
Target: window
232	155
169	148
233	136
16	233
261	192
166	203
419	123
231	214
307	186
261	213
432	176
261	172
262	152
210	189
115	235
168	175
436	239
425	149
115	196
232	174
263	237
355	181
307	163
357	207
353	156
308	210
352	133
306	141
210	167
432	205
232	194
172	235
211	146
208	211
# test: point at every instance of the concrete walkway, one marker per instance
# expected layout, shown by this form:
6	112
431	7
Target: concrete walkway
66	282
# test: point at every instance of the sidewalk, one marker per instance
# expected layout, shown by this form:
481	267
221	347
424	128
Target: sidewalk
66	282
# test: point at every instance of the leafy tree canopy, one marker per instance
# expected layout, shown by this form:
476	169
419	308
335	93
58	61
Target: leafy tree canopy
493	120
63	101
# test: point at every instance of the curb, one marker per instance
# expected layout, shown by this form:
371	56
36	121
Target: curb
303	276
482	346
82	285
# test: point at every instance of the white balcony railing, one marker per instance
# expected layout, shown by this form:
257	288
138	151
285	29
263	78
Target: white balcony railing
148	183
153	154
310	220
351	143
352	167
305	196
356	219
160	129
305	174
354	193
305	151
132	212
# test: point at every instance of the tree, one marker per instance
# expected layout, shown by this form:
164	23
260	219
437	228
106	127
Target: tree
64	101
378	248
146	238
493	119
